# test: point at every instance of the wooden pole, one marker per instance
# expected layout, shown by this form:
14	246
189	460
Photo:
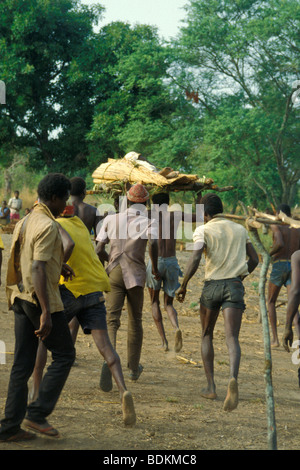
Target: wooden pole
272	435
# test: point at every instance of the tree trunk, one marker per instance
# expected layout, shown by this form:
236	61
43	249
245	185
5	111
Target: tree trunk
7	183
289	185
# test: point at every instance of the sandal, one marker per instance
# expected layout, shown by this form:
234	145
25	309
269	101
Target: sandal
45	429
21	435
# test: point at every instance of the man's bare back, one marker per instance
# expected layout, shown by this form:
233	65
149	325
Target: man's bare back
88	214
286	241
168	226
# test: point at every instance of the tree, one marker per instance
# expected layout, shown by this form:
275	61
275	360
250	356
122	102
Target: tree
242	58
137	108
47	108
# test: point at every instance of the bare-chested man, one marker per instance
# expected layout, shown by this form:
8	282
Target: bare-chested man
286	241
86	212
293	304
168	266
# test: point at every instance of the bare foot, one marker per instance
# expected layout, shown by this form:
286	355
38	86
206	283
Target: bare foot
210	394
232	397
178	340
129	416
275	344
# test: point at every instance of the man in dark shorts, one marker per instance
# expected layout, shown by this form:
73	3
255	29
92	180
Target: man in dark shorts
33	273
293	304
226	246
168	266
83	297
286	240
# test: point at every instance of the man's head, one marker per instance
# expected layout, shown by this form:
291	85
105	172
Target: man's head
161	198
78	186
16	193
4	203
137	194
212	205
285	208
54	191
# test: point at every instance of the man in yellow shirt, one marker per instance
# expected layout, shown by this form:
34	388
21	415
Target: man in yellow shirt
226	245
82	297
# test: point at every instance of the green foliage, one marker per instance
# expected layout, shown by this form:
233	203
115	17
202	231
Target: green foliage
39	43
217	102
140	110
244	58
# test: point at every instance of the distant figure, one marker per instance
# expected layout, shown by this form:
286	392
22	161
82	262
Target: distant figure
4	213
86	212
15	205
286	240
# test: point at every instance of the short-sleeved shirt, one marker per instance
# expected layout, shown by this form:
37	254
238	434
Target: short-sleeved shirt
90	275
15	204
128	233
225	248
40	241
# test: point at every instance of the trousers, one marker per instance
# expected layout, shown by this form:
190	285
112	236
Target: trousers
114	303
59	343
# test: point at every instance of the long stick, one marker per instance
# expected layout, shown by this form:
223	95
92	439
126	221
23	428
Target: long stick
272	437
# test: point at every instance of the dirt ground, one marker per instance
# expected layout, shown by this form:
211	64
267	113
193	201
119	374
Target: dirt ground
171	414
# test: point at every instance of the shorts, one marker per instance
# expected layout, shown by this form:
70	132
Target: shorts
223	293
89	309
169	270
281	273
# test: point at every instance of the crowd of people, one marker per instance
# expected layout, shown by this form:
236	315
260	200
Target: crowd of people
59	279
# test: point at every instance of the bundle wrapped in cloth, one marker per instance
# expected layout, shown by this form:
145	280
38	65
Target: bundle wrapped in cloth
134	168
